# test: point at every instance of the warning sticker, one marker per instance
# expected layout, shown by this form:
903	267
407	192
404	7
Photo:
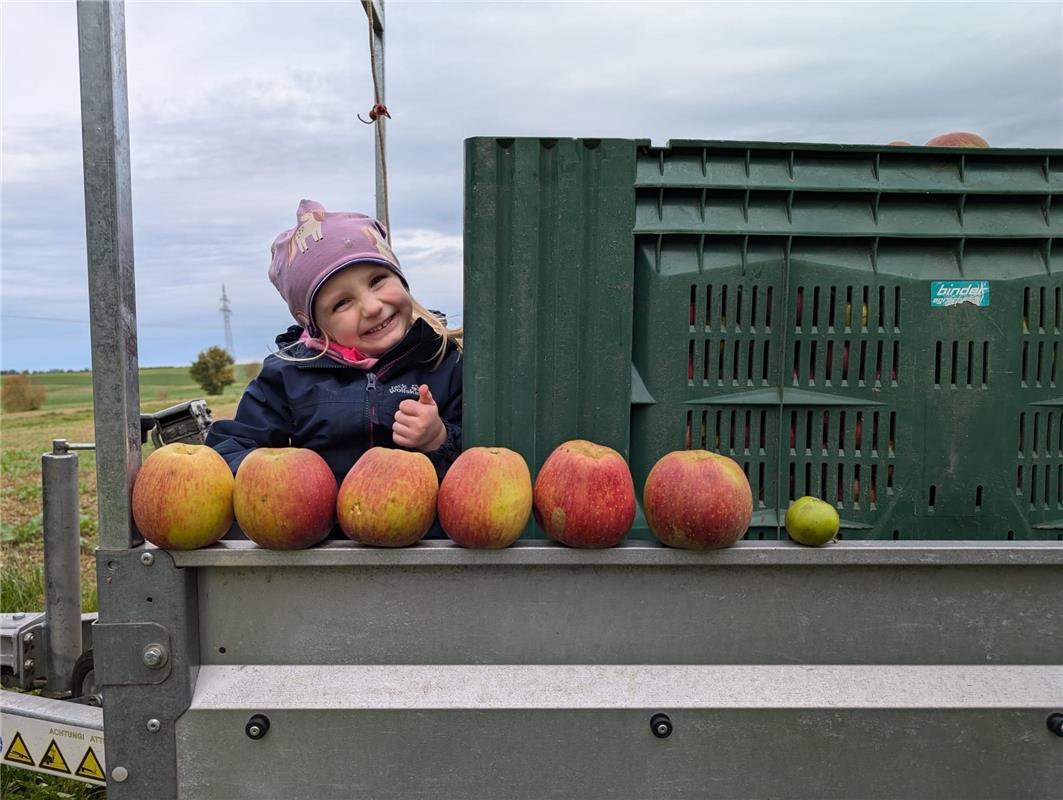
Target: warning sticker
18	752
90	767
29	742
53	759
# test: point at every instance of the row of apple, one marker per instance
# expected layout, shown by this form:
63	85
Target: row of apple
186	497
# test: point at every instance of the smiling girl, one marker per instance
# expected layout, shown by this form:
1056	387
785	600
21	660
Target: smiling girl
366	366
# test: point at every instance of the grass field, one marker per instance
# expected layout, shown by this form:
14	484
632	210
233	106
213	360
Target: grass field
24	436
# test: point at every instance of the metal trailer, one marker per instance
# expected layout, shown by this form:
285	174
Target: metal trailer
867	670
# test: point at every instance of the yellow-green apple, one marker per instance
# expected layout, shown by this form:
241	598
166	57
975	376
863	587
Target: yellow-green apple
183	497
388	499
485	498
284	497
584	495
898	143
698	500
958	139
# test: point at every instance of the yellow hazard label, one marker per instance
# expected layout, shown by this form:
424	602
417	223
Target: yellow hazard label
18	752
90	767
53	759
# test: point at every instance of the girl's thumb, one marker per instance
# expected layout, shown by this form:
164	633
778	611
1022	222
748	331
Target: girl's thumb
426	395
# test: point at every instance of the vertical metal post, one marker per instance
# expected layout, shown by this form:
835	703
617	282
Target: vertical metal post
62	567
112	298
374	9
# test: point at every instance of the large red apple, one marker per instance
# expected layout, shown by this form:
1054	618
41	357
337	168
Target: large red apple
183	497
584	495
388	499
486	498
958	139
697	500
284	497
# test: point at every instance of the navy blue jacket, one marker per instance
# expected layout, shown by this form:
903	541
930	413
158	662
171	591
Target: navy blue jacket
340	411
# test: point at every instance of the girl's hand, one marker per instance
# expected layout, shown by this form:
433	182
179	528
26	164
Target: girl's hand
417	423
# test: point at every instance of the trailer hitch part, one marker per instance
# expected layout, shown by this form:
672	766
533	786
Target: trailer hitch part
257	726
185	422
661	725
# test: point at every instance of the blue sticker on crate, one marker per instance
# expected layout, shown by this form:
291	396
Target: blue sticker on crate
952	293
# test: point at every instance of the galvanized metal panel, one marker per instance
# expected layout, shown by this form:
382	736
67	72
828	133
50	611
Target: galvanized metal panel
144	598
543	604
112	289
632	552
583	731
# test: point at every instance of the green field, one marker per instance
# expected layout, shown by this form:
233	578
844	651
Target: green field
159	387
67	414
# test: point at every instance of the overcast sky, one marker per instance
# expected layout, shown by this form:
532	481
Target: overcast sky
238	110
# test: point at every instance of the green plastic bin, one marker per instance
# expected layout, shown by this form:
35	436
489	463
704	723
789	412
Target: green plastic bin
877	326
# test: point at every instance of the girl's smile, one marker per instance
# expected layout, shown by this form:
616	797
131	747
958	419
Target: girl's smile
378	328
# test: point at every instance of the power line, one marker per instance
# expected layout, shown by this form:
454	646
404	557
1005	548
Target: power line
86	322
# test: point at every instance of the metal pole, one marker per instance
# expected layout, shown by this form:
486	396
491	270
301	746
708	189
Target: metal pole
112	299
62	567
374	9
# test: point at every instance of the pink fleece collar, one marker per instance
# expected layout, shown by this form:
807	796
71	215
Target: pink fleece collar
345	355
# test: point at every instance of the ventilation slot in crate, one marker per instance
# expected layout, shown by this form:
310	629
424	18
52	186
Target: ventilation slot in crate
961	364
736	349
845	362
819	309
1040	363
1039	474
830	453
1042	309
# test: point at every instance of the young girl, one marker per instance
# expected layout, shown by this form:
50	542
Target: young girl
366	366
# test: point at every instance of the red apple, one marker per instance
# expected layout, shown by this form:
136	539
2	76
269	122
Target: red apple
584	495
183	497
697	500
958	139
388	499
285	497
486	498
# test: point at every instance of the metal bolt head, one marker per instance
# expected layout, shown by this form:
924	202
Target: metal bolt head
18	615
28	664
119	774
254	731
1055	723
28	637
147	559
661	725
154	725
155	656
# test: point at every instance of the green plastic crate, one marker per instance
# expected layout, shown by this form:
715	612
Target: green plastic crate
773	302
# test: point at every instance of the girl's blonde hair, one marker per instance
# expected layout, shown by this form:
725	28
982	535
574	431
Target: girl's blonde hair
449	337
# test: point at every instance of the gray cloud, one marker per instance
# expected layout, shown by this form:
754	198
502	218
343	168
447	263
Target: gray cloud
237	110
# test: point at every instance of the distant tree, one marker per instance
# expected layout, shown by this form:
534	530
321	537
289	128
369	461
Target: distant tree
19	393
213	370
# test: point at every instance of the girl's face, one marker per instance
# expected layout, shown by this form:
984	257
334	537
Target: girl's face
366	307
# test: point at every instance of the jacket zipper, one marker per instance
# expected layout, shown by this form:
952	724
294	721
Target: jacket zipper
370	390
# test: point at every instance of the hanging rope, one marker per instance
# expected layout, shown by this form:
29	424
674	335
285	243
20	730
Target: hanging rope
375	113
